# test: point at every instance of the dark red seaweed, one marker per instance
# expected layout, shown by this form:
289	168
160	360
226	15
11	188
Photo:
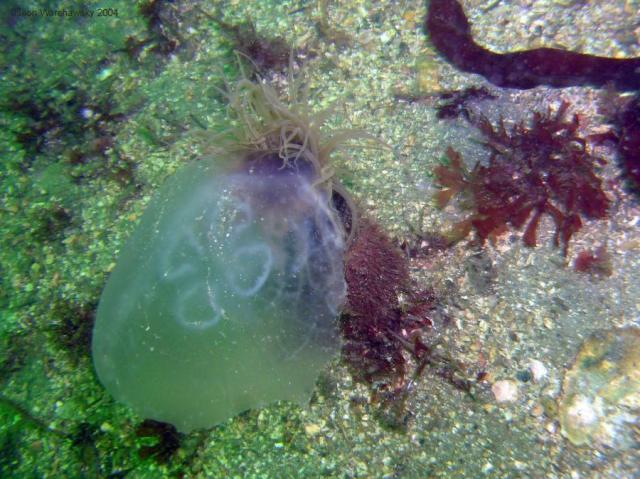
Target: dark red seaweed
539	167
450	33
629	141
594	262
376	328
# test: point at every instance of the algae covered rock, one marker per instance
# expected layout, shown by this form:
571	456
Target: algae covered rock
601	392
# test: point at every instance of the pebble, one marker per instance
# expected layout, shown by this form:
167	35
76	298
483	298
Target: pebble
537	410
487	468
312	429
505	391
538	370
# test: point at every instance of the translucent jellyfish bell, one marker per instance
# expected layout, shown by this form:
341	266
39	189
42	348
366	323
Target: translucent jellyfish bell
225	298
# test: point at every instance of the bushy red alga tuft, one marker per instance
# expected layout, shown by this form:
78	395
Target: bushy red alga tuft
386	322
538	167
376	328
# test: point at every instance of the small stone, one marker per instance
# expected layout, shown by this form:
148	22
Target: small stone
487	468
86	113
411	17
537	410
104	73
505	390
312	429
106	427
550	407
538	370
386	37
584	413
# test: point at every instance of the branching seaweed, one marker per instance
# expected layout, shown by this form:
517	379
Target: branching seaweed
385	323
539	167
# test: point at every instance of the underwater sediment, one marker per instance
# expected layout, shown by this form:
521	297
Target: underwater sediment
91	137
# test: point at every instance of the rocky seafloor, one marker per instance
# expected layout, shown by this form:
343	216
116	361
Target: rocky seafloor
98	110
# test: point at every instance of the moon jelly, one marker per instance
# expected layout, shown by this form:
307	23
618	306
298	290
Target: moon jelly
227	294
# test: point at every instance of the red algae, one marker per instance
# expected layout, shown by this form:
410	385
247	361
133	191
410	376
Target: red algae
376	274
376	327
450	32
266	54
628	123
386	321
622	112
536	168
594	262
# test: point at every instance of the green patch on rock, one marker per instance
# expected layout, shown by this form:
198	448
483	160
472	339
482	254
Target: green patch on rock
601	392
